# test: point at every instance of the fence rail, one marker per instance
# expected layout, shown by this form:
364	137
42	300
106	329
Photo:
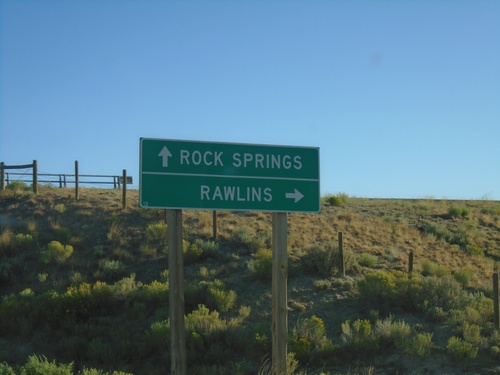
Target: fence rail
62	179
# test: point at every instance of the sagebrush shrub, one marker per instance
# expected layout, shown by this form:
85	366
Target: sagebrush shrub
359	334
322	260
420	344
309	337
378	287
224	300
367	260
250	239
41	366
261	264
390	332
57	252
440	295
157	233
460	349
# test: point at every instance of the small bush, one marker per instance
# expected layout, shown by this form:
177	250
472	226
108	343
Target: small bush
322	260
250	239
112	268
210	248
41	366
367	260
441	295
308	336
391	333
24	241
224	300
474	250
5	369
359	334
460	349
434	269
261	264
157	233
472	333
57	252
335	201
420	345
457	212
437	230
465	276
378	287
59	208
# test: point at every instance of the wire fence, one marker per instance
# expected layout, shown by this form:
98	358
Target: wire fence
63	179
60	179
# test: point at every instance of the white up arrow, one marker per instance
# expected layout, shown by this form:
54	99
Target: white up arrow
297	195
165	154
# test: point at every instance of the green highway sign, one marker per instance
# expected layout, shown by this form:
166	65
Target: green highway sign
228	176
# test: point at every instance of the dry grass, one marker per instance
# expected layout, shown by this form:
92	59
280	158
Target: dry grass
111	243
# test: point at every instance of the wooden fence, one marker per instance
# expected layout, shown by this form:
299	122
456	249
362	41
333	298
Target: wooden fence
62	179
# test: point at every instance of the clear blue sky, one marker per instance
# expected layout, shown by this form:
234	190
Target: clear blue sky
401	97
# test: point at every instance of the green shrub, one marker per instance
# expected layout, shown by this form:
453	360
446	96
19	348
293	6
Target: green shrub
250	239
465	276
223	300
367	260
24	241
335	201
41	366
440	295
112	268
420	345
209	248
192	252
472	333
7	242
454	211
460	349
156	291
322	260
5	369
437	230
261	264
125	287
391	333
434	269
378	287
157	233
310	334
358	334
60	208
56	252
474	250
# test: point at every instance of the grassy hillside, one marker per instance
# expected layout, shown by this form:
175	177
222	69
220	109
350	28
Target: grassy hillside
84	287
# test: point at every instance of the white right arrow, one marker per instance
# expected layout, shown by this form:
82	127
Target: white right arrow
164	154
297	195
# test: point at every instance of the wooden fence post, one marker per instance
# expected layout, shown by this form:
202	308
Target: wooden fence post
124	195
410	264
2	176
35	176
214	216
341	251
77	193
279	293
176	293
495	301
